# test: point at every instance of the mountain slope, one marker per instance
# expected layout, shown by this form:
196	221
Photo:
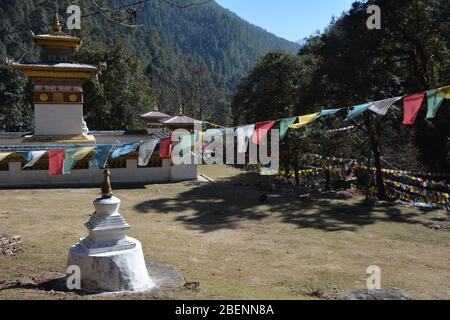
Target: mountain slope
194	56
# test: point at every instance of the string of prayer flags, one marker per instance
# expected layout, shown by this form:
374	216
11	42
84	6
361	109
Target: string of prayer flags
435	98
4	155
357	110
125	149
101	155
165	148
244	134
328	112
55	162
304	120
35	156
382	107
261	131
146	151
284	126
412	104
73	155
26	155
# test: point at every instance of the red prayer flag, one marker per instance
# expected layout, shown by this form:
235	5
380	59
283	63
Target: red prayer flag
261	131
165	148
55	162
412	106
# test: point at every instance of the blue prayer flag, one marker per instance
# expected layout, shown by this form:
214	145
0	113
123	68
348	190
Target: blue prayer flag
125	149
357	110
100	157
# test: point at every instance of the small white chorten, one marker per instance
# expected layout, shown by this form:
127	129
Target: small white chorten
108	259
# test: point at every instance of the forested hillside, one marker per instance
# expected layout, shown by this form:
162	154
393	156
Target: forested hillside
349	64
193	56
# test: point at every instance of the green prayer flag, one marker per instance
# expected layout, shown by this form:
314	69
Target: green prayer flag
435	100
284	126
73	155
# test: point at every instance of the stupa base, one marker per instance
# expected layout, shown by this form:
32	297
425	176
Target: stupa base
80	138
112	271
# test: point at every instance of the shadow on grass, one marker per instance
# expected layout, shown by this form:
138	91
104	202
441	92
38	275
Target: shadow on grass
57	285
221	205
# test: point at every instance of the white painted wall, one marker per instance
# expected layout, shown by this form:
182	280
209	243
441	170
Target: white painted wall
58	119
15	177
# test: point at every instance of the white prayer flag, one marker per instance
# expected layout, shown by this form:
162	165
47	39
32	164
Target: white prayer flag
145	151
35	156
382	107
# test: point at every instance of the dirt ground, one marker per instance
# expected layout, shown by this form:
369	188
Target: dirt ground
237	246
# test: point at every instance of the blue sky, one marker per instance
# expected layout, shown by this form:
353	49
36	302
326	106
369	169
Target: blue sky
290	19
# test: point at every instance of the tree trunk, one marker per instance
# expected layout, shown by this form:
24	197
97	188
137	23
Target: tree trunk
376	149
327	180
297	177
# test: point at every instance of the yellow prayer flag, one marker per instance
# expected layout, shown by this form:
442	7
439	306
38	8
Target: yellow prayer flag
4	155
304	120
444	92
82	152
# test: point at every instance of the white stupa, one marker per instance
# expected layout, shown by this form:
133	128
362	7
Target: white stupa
108	259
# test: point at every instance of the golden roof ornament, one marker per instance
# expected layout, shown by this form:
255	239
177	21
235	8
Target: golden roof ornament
180	111
57	27
106	187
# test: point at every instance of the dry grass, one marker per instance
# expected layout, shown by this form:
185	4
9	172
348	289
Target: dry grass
237	247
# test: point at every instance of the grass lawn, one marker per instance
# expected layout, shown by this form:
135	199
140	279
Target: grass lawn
236	246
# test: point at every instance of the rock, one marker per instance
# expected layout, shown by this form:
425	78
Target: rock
10	245
305	197
192	285
377	295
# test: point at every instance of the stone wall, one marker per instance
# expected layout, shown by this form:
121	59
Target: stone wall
10	245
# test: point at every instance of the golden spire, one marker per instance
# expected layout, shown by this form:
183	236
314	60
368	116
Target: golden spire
57	27
180	111
106	187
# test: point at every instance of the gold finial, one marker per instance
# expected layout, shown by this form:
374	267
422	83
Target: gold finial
155	108
106	188
180	111
57	27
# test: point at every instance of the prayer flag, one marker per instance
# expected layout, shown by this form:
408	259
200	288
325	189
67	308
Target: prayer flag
357	110
165	148
73	155
55	162
100	157
435	99
35	156
125	149
412	106
26	155
146	151
284	126
382	107
4	155
261	131
244	133
329	112
304	120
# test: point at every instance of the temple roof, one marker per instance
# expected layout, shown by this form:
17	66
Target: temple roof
57	38
181	120
155	115
57	66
